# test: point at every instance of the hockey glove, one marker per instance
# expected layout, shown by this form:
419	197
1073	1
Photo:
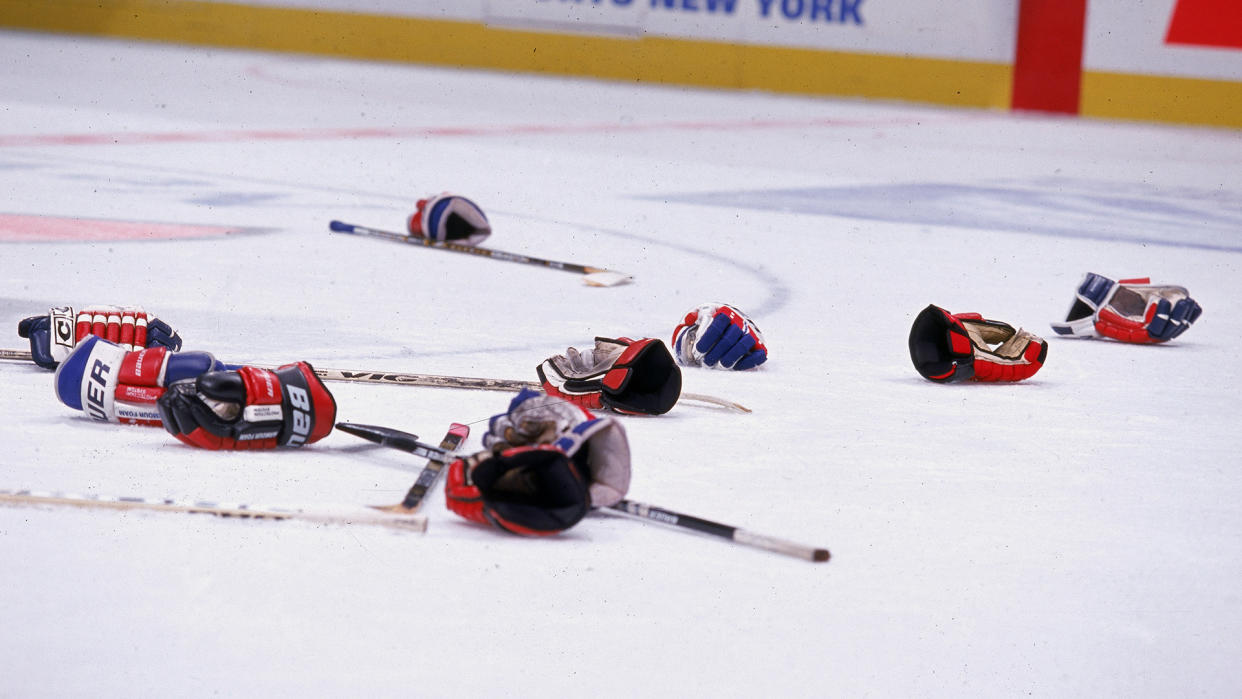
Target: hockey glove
112	385
250	408
449	218
1130	310
533	490
599	445
53	336
719	336
636	377
947	347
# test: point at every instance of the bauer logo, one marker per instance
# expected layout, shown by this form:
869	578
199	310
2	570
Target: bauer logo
96	390
300	425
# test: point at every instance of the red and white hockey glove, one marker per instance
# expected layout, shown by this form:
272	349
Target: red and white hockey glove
719	336
111	384
947	347
249	408
53	336
598	445
636	377
449	218
1130	310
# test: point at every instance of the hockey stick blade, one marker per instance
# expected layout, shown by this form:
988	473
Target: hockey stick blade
239	511
396	439
391	438
435	381
591	276
724	531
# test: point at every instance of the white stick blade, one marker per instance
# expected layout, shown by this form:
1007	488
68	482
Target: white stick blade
606	278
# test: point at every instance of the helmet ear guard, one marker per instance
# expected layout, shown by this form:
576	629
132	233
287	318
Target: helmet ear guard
940	347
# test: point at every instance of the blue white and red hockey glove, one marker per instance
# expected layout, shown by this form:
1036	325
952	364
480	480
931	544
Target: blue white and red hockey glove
719	336
636	377
947	347
1129	310
249	408
449	218
598	444
53	336
112	384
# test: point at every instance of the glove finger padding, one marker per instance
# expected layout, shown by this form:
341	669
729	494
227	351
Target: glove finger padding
947	348
637	377
449	218
53	336
250	408
532	490
1129	310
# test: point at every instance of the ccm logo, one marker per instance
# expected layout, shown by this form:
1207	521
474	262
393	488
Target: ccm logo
299	400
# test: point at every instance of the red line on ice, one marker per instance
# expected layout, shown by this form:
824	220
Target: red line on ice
238	135
16	228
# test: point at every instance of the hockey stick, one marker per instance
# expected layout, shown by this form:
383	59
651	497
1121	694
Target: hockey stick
453	440
404	441
391	377
410	522
433	380
593	276
735	534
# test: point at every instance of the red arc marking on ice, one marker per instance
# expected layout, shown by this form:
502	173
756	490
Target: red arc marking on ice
16	228
138	138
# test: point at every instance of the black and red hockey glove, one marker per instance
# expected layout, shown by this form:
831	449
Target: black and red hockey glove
249	408
947	347
532	490
637	377
598	445
53	336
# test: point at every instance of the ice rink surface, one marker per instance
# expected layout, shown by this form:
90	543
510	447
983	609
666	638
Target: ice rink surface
1078	534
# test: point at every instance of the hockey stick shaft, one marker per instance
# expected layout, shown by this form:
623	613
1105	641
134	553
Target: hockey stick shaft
240	511
512	385
353	229
434	381
396	439
724	531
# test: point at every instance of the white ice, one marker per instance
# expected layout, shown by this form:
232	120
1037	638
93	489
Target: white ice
1079	534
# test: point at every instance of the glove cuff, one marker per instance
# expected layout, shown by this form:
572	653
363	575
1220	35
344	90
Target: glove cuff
940	347
86	380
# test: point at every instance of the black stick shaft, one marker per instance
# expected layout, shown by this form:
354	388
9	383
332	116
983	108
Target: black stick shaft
724	531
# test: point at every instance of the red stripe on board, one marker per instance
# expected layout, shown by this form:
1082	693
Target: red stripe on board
1047	67
1215	23
15	228
131	138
